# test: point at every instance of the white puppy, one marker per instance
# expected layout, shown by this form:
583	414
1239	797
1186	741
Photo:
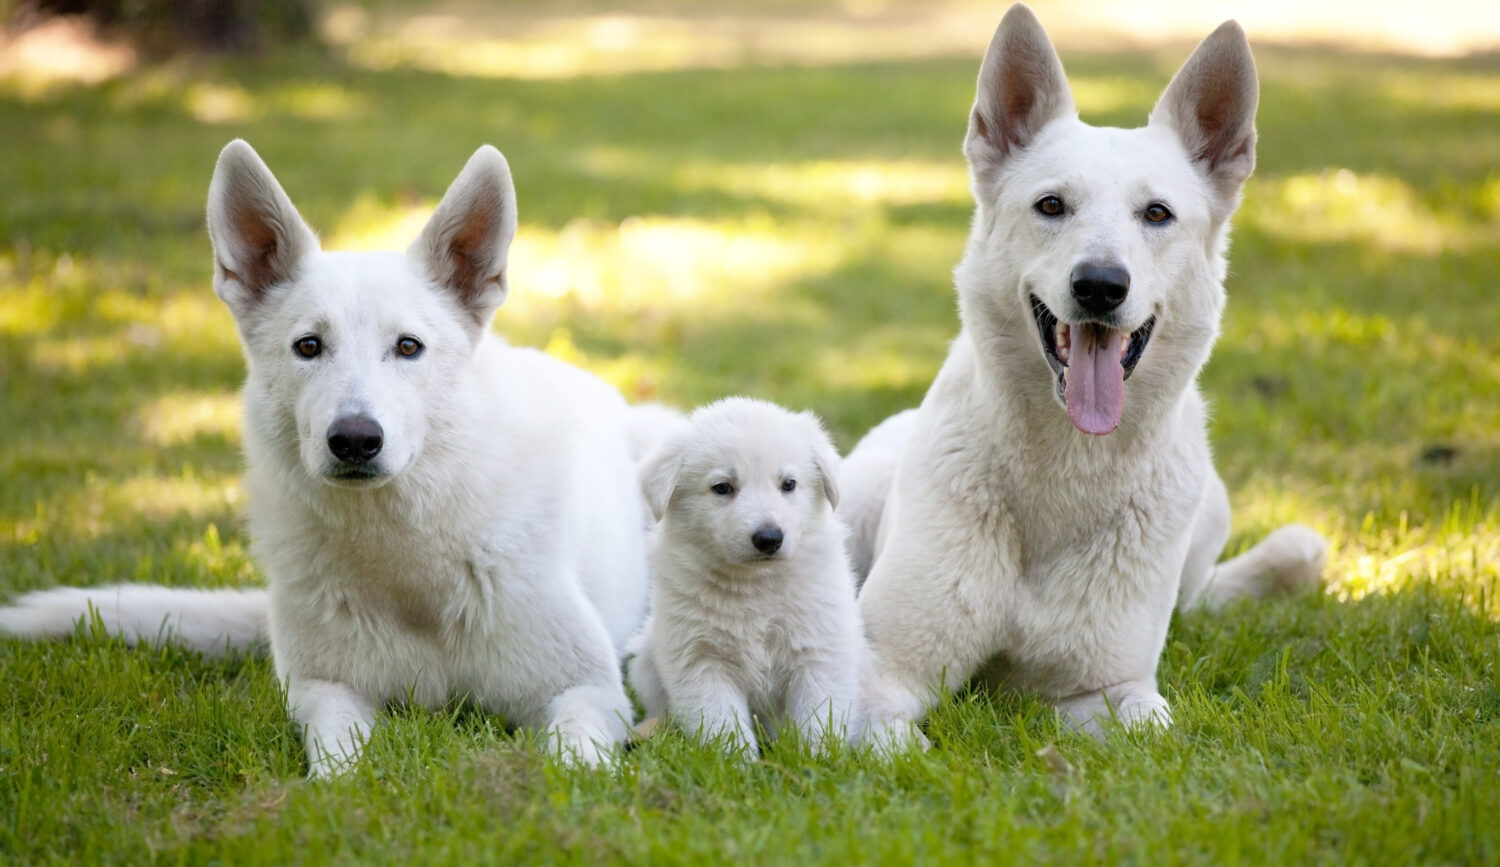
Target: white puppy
753	600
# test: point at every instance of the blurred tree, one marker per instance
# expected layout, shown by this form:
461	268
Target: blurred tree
174	25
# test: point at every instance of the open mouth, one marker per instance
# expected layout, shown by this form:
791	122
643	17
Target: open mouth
1092	362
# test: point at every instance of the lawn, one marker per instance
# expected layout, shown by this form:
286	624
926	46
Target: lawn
697	223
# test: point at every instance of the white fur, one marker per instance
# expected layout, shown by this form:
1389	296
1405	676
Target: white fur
493	549
736	633
1011	546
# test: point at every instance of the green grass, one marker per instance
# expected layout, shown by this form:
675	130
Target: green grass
786	232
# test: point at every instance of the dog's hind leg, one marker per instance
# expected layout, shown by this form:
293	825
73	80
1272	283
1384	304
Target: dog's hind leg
335	722
1288	560
865	479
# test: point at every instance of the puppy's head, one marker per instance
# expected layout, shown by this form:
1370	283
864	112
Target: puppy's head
352	355
745	481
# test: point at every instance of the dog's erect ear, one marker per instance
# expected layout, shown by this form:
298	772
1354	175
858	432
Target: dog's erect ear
259	239
658	475
1210	104
1021	89
463	248
825	460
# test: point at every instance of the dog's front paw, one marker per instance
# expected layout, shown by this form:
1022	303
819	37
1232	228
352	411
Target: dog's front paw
892	737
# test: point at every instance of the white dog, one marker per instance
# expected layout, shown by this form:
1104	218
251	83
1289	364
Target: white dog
439	515
1046	514
753	609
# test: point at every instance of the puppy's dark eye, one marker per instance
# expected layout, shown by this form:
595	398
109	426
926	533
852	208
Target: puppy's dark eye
1049	206
723	489
1157	213
308	347
788	486
409	347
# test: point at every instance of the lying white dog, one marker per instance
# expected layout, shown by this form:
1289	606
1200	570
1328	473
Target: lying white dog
1054	498
753	611
438	515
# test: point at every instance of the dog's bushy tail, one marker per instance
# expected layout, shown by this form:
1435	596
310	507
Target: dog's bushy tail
1289	560
211	621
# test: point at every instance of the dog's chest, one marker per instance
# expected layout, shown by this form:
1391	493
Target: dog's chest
1099	568
392	614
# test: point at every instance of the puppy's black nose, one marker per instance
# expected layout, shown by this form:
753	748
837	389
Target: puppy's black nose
355	439
767	540
1099	289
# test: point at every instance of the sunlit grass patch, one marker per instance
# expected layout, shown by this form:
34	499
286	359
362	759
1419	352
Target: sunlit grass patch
180	417
1380	210
782	225
829	186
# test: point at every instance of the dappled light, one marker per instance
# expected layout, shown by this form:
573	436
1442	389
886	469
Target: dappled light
833	186
180	417
650	261
1381	210
526	45
100	508
219	103
766	199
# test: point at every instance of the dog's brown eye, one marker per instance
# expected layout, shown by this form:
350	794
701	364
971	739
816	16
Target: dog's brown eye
723	489
1050	206
409	347
308	347
789	485
1156	212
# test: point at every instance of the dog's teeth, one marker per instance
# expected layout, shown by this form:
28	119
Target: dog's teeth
1063	342
1124	345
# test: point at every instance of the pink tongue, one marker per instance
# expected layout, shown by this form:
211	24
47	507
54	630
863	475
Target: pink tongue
1095	388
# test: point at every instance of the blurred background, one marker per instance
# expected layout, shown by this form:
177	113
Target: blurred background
734	197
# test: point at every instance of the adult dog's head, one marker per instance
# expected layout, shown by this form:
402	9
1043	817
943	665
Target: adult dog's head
744	481
350	354
1097	254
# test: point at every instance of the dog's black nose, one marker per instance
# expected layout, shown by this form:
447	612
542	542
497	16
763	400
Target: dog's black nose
767	540
1099	289
355	439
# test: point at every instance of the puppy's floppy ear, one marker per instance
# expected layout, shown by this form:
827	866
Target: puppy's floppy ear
1210	104
658	474
464	247
825	459
259	239
1021	89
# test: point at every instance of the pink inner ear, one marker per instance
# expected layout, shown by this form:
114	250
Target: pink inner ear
258	265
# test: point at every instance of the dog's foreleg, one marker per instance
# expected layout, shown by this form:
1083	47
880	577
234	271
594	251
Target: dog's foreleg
925	633
335	723
821	699
588	720
1131	703
707	704
645	678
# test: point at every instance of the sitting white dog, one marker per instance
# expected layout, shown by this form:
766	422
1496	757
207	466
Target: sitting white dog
753	610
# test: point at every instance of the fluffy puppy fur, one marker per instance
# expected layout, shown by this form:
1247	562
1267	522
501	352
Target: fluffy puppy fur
753	611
